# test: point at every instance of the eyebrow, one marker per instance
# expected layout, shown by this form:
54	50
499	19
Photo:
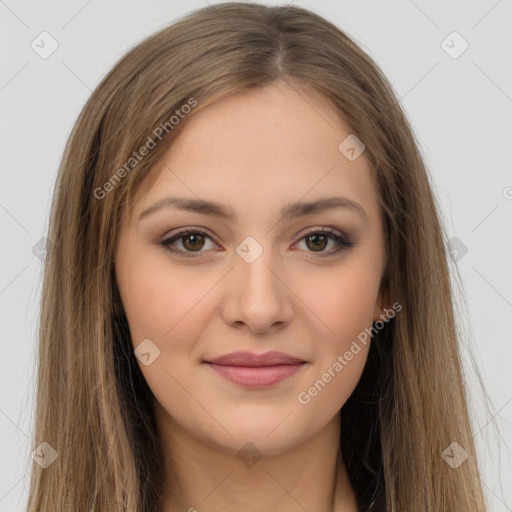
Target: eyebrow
289	211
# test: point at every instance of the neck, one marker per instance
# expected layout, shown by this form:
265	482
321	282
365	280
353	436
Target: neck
206	478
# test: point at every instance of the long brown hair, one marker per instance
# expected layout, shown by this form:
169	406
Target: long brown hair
94	407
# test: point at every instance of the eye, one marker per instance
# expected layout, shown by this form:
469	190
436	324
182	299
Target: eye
318	240
193	240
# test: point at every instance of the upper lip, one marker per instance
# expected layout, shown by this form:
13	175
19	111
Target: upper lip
244	358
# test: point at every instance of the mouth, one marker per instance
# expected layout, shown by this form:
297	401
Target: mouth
256	370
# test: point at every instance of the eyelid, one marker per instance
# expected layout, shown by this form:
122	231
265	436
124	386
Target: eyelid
188	229
325	229
343	240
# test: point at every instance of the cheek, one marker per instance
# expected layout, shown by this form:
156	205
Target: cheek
164	305
341	302
161	303
327	392
344	302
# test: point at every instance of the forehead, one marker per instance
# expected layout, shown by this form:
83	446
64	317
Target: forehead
260	148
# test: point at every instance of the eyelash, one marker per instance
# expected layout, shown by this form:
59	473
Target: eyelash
342	241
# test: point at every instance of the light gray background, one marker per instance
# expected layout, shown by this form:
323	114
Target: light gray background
460	108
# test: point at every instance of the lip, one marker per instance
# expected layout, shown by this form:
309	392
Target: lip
245	358
256	370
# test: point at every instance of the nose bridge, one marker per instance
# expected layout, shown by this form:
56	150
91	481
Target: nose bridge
256	265
257	295
258	269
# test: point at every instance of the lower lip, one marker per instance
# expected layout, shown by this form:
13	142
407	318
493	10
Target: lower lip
256	376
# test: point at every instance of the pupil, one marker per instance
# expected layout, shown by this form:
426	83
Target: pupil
191	241
317	238
194	241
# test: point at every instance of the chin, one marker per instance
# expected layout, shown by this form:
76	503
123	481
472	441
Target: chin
268	436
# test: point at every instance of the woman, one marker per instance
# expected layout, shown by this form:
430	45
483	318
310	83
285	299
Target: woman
247	302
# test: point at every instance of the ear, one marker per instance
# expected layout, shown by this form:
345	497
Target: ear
381	303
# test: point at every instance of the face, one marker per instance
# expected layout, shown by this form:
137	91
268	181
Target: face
197	285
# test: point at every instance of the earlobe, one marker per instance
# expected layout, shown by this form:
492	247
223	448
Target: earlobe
381	305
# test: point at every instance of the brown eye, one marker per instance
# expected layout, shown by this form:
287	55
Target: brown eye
318	242
192	242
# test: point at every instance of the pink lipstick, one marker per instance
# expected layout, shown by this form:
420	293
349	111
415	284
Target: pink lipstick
256	370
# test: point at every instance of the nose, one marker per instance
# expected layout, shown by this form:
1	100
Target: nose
257	295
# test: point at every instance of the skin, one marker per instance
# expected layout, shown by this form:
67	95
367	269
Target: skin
255	152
